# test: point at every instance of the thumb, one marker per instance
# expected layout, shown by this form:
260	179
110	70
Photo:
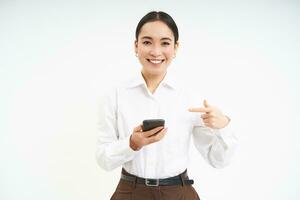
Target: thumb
138	128
205	103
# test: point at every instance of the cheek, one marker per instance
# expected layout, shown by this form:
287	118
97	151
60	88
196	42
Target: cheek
142	51
169	53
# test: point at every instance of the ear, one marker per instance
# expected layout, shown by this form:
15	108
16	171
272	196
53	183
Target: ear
176	46
135	46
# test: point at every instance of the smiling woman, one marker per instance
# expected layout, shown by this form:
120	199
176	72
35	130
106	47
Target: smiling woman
156	45
155	161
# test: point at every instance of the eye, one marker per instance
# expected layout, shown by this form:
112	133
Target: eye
146	42
165	43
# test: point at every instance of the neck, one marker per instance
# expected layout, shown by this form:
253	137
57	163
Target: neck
153	81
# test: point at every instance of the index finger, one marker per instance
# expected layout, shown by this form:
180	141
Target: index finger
199	109
153	131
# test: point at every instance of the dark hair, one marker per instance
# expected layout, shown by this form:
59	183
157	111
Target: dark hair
158	16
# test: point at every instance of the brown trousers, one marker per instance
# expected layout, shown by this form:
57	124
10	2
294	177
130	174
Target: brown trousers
132	191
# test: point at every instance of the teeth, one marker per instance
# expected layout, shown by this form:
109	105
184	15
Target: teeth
156	61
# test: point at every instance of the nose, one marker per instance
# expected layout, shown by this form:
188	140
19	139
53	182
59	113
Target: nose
155	51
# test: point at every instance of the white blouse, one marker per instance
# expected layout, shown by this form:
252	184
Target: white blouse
126	106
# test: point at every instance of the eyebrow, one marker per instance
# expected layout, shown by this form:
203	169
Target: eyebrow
150	38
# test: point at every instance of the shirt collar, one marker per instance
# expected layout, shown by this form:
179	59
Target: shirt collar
139	80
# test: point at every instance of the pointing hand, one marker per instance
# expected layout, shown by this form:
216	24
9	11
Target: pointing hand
212	116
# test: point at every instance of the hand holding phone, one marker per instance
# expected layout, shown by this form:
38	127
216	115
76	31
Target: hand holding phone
151	133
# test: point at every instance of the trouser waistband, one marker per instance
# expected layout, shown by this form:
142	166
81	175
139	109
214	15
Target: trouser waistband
181	179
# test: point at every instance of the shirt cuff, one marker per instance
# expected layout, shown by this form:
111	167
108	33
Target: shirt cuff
125	148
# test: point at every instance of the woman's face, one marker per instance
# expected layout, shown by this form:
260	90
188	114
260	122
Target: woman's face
155	47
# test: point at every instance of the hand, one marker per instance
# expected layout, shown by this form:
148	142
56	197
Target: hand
138	138
212	117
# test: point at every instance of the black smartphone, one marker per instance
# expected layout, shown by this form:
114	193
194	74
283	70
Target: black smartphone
149	124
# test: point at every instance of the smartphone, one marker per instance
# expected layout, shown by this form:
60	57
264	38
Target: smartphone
149	124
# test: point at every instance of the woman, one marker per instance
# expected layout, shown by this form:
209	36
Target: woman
154	162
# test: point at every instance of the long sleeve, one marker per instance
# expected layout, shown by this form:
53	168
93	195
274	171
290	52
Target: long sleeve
111	150
217	146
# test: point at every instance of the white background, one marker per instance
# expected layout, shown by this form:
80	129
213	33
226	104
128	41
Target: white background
57	56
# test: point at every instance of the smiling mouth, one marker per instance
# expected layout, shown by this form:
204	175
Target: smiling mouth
155	61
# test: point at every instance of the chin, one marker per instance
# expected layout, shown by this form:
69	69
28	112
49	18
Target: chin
156	71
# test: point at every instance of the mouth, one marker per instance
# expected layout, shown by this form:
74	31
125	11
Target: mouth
156	61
